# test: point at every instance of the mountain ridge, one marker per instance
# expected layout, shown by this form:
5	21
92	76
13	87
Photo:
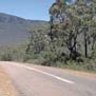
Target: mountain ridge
14	29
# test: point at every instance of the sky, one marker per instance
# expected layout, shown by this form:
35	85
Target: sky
28	9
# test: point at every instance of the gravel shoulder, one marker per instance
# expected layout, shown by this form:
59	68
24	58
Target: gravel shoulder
6	87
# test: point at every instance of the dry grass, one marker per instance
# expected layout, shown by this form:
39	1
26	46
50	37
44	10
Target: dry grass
6	87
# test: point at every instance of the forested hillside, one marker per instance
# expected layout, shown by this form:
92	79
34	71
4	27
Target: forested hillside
14	30
71	38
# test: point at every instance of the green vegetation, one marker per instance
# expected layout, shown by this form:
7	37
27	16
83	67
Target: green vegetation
11	53
69	41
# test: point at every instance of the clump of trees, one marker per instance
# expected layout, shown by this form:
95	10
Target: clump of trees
71	35
76	25
13	53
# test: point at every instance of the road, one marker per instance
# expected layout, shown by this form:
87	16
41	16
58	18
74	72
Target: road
33	80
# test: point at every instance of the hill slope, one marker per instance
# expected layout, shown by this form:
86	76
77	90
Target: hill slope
14	29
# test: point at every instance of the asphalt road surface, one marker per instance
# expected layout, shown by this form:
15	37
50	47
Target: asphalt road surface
33	80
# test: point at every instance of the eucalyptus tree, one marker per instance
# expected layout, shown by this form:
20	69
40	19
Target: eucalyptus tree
87	12
71	25
57	24
64	27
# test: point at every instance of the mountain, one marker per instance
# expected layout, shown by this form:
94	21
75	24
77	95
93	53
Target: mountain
14	30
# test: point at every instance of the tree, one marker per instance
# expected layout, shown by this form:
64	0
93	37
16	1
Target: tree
64	26
71	26
37	43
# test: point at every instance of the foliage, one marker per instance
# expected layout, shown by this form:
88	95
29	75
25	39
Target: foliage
74	25
70	38
69	41
16	53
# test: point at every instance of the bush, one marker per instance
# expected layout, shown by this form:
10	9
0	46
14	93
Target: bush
6	57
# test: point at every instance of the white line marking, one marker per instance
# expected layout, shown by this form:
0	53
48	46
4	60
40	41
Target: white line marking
45	73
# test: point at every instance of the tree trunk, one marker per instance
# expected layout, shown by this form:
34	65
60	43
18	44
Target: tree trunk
85	44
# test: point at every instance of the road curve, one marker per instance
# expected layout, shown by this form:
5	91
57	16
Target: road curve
33	80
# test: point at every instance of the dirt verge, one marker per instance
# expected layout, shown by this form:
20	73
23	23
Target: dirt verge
6	87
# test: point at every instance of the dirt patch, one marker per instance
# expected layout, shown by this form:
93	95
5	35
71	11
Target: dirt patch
6	87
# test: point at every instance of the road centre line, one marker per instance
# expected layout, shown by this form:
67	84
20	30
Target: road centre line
45	73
